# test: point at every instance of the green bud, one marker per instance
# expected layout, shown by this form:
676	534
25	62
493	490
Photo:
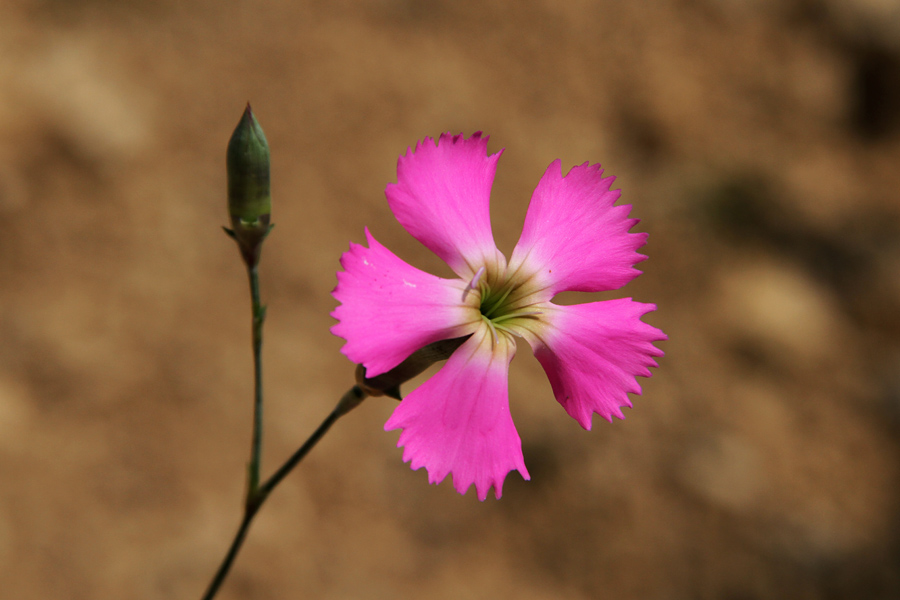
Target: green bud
249	197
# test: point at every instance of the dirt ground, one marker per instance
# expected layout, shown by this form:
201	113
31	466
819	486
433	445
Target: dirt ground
758	141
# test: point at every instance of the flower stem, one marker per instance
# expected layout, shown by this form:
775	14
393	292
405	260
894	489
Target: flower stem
259	317
348	402
229	558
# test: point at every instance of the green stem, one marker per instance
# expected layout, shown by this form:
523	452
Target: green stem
348	402
229	558
259	316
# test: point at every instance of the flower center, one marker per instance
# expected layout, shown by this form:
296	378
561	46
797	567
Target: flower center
494	303
504	304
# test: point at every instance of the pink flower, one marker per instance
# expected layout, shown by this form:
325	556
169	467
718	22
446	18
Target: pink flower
574	239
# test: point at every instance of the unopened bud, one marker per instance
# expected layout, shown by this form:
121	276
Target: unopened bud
249	197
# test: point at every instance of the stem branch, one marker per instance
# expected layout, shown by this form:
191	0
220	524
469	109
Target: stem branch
348	402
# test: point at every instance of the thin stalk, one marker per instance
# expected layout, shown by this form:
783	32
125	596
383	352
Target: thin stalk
259	317
349	401
230	556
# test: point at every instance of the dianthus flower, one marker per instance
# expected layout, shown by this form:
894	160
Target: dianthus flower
574	239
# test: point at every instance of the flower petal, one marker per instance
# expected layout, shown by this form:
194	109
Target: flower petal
592	354
574	239
390	309
459	422
442	198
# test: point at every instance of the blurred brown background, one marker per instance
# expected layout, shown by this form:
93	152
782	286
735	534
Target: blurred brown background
759	142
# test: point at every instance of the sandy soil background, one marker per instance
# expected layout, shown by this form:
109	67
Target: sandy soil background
759	142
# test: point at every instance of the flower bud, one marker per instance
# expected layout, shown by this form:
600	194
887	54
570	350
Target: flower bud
249	198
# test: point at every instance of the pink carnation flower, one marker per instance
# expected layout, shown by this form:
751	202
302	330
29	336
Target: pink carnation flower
574	239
